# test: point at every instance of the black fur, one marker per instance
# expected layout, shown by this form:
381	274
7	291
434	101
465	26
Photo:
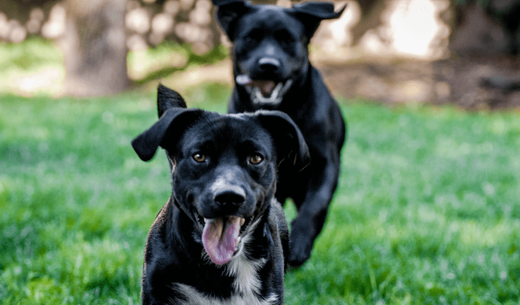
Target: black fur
215	177
270	50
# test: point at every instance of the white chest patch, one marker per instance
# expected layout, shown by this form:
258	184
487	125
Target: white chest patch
246	284
245	272
194	297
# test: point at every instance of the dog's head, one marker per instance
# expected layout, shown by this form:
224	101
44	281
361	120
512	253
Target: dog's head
223	167
270	44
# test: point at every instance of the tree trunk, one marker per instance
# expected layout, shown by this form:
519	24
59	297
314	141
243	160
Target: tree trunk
94	46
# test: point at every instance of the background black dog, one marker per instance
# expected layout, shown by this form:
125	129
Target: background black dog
272	71
221	238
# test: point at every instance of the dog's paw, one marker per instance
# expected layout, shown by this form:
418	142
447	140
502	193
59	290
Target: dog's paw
300	248
297	259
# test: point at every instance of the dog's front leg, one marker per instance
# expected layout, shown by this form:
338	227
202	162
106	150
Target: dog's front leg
312	211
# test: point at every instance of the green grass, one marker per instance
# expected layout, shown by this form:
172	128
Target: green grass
427	210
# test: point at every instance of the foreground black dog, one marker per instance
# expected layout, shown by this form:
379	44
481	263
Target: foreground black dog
272	71
221	238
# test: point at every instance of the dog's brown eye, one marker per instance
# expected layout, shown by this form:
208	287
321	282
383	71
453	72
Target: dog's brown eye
256	159
199	157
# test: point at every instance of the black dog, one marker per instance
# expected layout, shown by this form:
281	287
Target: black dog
221	238
272	71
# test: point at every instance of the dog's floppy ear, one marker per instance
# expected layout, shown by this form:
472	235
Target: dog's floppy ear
287	136
229	11
172	122
312	13
168	98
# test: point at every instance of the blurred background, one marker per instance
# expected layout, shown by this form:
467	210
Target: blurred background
394	51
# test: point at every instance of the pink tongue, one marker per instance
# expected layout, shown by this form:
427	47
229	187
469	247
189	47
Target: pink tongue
265	86
220	237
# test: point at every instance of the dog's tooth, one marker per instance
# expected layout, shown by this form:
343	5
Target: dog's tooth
238	242
243	79
242	221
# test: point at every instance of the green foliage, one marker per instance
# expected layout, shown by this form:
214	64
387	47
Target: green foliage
426	212
167	58
29	55
36	65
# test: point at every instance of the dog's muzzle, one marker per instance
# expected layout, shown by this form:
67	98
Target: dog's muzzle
264	91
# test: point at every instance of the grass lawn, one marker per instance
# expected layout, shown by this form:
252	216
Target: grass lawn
427	210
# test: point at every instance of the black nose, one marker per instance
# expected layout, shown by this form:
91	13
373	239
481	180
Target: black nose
230	197
269	63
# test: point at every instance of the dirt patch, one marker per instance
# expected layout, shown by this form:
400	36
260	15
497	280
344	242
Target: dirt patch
473	83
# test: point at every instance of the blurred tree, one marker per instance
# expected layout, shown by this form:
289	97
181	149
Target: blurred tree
18	18
371	18
96	35
507	14
94	45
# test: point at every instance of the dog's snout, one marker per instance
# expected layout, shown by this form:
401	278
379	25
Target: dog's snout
232	196
268	63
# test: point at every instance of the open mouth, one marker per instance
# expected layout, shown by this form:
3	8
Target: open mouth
264	91
221	236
